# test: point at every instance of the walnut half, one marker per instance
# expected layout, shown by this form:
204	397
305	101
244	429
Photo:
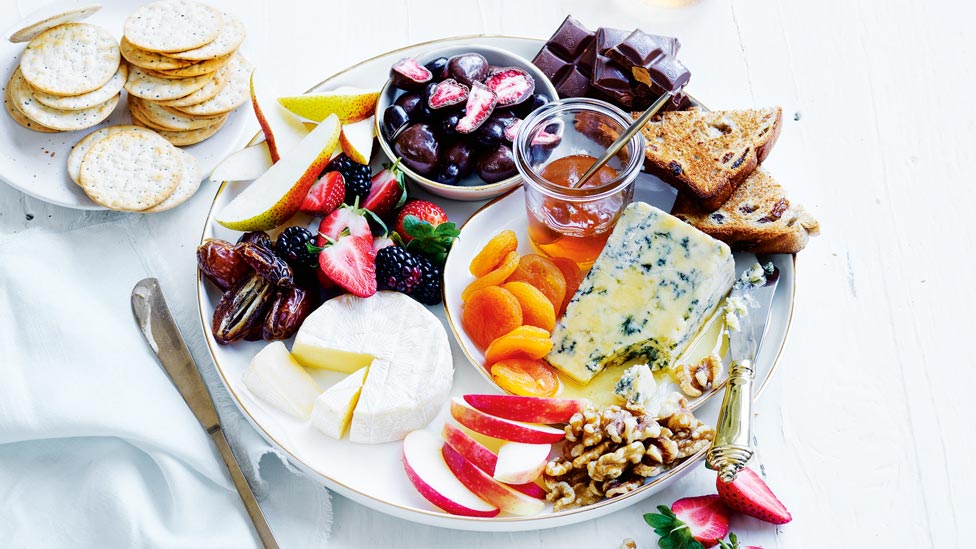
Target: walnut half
695	378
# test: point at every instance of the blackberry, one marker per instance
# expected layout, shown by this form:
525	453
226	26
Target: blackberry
398	269
292	246
429	290
357	177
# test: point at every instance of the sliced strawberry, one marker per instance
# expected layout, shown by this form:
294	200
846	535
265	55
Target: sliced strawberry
387	191
323	278
346	217
748	494
382	242
350	262
325	195
702	519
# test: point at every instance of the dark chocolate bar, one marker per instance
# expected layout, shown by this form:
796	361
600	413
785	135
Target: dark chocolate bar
565	58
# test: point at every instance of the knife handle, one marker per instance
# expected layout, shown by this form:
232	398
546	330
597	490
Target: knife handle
731	448
247	496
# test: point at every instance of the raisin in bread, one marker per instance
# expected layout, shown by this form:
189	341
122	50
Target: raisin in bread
757	218
708	154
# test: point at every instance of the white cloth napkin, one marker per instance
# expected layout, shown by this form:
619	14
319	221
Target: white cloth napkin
97	448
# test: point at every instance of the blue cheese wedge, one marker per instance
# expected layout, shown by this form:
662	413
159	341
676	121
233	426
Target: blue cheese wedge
647	295
636	385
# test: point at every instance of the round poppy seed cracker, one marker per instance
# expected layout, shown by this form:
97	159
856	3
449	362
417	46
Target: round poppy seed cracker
57	119
190	137
220	80
131	170
230	38
190	179
149	59
81	148
140	120
173	25
144	85
30	31
197	68
235	94
70	59
159	116
85	100
14	112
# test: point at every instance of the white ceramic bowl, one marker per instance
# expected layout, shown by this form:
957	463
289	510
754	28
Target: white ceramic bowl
472	187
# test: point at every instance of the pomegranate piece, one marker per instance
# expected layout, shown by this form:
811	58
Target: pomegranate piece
481	103
512	85
446	93
510	129
408	74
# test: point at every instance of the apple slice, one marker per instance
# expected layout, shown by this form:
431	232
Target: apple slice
349	104
505	498
244	165
527	408
282	129
357	140
524	475
519	463
503	429
429	474
275	196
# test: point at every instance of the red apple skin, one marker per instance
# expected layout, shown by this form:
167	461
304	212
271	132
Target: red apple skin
527	408
439	500
494	427
483	458
487	488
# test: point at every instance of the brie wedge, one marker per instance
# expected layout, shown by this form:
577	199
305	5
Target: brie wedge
276	378
333	409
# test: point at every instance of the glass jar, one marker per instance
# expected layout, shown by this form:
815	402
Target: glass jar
553	147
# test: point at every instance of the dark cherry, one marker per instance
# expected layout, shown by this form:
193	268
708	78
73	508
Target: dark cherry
448	124
410	102
534	101
449	174
395	118
418	147
468	68
438	67
461	154
496	165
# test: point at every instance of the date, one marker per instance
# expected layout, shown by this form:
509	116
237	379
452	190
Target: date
241	309
221	263
260	238
288	310
264	262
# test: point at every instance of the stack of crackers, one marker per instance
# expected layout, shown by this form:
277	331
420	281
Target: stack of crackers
130	168
70	75
186	74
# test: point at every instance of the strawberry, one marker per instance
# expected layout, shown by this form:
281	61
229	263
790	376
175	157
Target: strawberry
350	262
387	191
382	242
325	195
347	217
424	228
748	494
690	523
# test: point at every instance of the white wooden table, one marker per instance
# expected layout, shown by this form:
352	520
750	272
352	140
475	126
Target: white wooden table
866	431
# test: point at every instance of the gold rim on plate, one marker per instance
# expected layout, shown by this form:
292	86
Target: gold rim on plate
439	515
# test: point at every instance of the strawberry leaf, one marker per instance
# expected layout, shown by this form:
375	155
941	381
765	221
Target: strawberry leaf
429	240
658	521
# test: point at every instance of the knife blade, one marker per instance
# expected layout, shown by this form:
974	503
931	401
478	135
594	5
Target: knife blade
747	313
164	337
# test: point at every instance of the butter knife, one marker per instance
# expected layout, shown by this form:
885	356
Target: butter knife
164	337
747	307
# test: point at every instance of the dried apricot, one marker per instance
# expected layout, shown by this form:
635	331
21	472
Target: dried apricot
489	314
544	275
493	278
537	310
574	277
524	341
525	377
493	253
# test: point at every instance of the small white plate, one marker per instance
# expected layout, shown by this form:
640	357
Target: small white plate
36	163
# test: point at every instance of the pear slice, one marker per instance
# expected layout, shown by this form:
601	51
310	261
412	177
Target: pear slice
357	140
349	104
244	165
282	129
273	198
